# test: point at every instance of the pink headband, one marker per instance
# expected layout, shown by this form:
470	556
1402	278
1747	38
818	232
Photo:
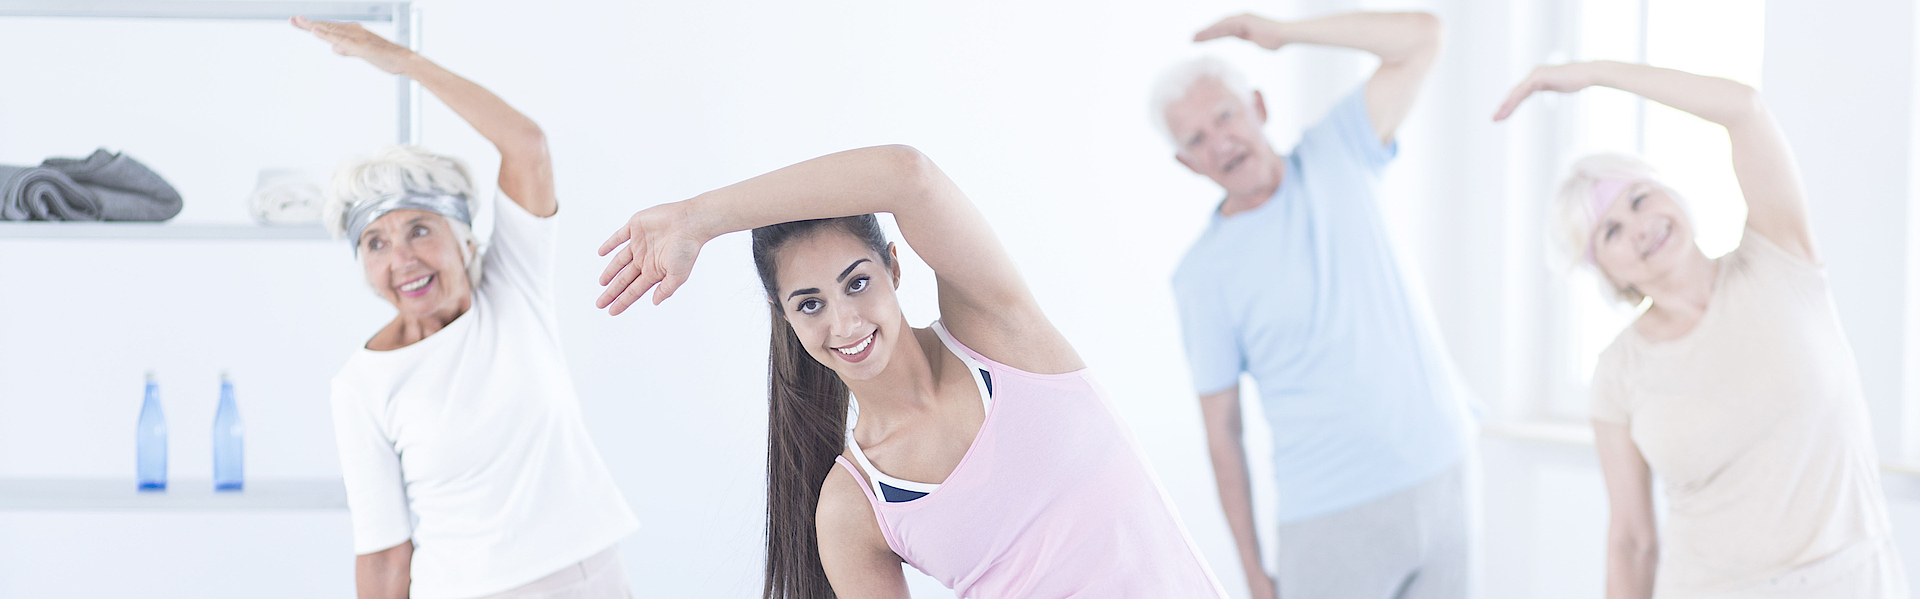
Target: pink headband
1605	191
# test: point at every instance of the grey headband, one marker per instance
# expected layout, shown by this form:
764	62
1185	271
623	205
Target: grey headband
364	213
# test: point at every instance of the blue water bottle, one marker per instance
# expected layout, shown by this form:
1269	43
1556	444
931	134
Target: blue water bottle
151	440
228	464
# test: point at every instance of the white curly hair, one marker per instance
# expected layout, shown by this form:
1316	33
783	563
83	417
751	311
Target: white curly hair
1175	81
395	169
1570	229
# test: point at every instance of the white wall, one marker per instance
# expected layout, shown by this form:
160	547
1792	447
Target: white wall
1036	109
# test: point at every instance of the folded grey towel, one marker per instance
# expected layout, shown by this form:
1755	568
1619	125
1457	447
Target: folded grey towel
103	186
34	193
128	190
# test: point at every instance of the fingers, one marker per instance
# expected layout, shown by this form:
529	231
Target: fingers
614	266
1228	27
339	34
619	236
1519	94
301	23
324	29
633	293
618	284
667	286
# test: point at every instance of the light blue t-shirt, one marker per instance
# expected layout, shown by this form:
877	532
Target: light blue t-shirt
1305	294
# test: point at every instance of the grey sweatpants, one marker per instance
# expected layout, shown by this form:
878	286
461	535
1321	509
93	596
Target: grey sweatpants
1413	544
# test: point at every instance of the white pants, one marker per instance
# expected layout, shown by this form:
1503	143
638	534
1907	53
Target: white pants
1413	544
597	577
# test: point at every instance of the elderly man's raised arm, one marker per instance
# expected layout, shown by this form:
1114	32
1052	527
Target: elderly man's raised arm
1406	42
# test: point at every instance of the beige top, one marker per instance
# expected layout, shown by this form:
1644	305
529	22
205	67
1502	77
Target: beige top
1755	423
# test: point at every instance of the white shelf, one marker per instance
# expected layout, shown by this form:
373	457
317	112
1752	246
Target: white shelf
91	494
126	230
374	12
405	20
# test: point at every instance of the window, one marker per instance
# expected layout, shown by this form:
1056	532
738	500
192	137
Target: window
1691	154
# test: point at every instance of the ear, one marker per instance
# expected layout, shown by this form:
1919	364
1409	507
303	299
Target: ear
1183	162
1259	106
893	258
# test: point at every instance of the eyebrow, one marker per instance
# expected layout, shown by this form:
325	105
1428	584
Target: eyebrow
373	232
850	267
842	277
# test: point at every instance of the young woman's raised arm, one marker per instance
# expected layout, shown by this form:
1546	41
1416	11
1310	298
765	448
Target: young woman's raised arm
1762	161
983	299
526	170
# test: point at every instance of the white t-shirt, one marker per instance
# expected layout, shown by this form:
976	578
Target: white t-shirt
470	442
1756	422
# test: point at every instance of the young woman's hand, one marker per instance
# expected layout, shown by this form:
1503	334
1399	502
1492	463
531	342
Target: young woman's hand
661	244
1264	32
350	39
1563	78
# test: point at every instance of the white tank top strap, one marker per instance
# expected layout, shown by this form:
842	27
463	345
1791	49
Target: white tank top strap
874	476
974	367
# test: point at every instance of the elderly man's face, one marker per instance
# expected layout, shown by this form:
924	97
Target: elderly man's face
1218	135
413	259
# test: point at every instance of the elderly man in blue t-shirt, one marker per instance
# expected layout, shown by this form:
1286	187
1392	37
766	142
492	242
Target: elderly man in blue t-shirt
1294	282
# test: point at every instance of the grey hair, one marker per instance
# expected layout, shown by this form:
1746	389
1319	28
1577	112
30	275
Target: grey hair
396	169
1174	83
1570	229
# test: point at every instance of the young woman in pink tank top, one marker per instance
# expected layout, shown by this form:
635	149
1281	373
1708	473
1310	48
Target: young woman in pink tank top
976	450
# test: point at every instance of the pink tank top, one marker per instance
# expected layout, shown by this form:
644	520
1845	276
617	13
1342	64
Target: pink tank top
1054	499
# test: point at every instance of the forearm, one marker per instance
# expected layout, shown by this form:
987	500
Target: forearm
1630	567
1393	36
1236	500
1226	448
506	128
1724	102
385	574
896	179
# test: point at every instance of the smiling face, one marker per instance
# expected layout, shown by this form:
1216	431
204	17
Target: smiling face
1218	134
838	295
413	259
1643	235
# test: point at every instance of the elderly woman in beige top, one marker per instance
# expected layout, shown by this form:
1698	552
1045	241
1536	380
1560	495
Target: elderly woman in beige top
1736	384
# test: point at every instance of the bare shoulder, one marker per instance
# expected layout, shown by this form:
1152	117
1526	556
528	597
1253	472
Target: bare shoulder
844	518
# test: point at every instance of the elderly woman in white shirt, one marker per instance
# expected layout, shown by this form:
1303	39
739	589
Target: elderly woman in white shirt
468	468
1736	385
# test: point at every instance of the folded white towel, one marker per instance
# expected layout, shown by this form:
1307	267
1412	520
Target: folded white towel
285	197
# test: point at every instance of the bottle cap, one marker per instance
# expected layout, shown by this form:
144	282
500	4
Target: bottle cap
149	376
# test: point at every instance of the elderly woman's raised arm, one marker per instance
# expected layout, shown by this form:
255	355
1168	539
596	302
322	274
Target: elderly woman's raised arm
1762	161
526	170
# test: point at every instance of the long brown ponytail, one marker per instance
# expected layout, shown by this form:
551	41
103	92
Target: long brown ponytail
806	419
